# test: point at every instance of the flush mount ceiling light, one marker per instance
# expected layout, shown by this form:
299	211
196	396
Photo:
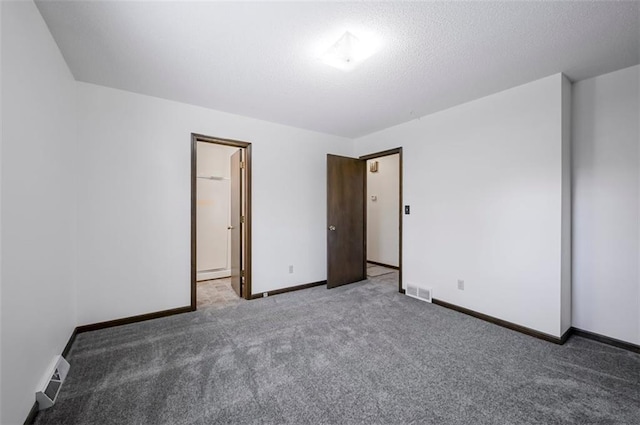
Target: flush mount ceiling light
348	52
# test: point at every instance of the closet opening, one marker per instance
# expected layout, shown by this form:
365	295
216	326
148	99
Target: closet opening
220	221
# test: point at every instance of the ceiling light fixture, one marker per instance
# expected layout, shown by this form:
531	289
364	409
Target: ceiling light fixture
348	52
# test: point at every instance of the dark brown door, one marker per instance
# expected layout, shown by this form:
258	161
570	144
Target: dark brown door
236	222
346	262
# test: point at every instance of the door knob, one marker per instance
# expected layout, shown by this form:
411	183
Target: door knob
230	227
332	228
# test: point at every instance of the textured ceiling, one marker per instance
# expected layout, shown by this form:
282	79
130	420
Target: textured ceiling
261	59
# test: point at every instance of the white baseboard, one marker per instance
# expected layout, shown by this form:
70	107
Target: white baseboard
217	274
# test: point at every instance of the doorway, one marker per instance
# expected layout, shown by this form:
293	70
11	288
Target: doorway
383	219
347	221
220	220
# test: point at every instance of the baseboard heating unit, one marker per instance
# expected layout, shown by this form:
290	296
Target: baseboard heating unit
52	382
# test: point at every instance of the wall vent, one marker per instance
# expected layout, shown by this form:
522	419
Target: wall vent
50	386
423	294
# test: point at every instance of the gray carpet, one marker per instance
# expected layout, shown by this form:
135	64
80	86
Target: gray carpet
356	354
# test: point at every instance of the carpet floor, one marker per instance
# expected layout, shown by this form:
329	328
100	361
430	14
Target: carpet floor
361	353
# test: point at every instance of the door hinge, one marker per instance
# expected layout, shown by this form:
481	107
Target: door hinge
242	219
242	165
242	273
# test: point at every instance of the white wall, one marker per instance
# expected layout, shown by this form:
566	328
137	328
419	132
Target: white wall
134	201
566	217
1	126
383	222
606	293
38	205
485	185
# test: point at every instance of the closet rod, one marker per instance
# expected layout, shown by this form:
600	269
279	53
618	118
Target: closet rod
213	178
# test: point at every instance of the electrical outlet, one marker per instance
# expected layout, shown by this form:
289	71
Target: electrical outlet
290	269
265	294
461	285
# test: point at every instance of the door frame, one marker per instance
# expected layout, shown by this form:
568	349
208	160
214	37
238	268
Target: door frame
195	138
400	206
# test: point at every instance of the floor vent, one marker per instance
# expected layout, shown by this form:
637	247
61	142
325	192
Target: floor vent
52	383
423	294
